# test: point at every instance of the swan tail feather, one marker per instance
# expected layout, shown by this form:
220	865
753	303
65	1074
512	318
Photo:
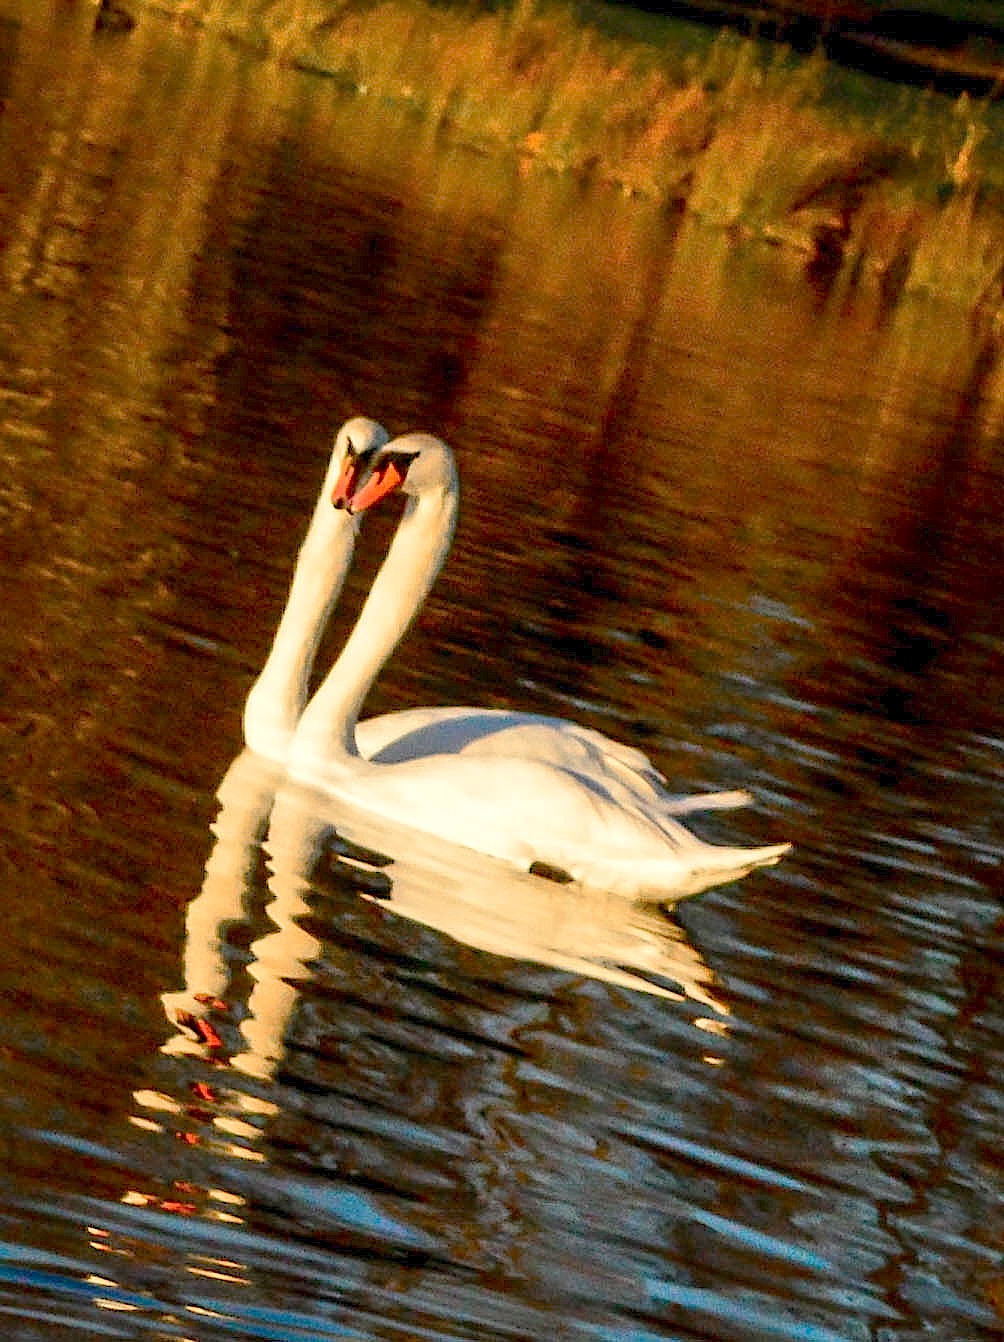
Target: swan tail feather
669	880
708	801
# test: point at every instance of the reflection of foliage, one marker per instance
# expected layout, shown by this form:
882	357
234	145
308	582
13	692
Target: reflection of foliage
860	175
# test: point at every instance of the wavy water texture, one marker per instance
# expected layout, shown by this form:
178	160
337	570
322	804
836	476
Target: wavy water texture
257	1082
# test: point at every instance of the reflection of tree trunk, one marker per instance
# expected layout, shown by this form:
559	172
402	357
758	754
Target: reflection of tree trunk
613	445
457	308
613	456
907	601
929	612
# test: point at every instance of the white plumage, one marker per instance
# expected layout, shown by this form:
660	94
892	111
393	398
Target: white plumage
532	790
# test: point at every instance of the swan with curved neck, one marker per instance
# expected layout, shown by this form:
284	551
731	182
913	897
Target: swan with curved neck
538	792
278	696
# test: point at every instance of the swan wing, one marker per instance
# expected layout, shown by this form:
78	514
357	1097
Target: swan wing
417	733
413	733
394	738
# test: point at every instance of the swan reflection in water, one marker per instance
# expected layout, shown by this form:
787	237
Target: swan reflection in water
250	1004
308	841
517	834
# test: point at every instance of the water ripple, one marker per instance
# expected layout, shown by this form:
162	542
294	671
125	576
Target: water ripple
254	1085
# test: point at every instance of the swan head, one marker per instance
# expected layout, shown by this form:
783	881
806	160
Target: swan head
356	443
417	464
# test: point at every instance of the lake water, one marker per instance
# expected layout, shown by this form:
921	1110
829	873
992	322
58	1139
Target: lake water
743	517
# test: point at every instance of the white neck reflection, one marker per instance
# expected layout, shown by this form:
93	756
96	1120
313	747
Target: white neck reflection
477	901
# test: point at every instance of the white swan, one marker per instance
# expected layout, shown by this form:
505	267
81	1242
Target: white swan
278	697
539	792
279	694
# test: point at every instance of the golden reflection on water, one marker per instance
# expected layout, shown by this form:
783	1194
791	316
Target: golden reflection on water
746	522
557	337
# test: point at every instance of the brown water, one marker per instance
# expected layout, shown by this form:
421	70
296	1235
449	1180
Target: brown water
746	521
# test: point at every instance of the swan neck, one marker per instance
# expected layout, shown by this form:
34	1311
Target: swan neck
277	698
327	734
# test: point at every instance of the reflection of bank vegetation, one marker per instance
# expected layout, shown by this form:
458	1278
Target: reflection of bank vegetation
878	181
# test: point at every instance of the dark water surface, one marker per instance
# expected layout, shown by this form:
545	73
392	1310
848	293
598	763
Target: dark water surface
744	520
